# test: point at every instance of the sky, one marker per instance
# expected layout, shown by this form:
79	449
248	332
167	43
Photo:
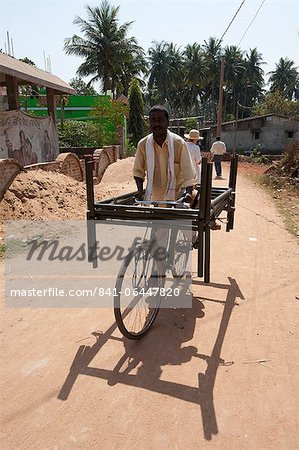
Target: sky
41	26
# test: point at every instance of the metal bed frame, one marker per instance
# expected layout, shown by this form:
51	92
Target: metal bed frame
212	202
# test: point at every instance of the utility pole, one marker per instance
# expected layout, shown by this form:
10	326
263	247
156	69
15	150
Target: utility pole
235	131
220	98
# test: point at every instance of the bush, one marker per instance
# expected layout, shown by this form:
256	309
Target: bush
257	157
290	159
191	123
75	133
130	148
276	103
112	114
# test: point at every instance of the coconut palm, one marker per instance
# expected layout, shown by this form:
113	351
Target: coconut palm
194	77
253	79
158	71
165	69
285	78
107	50
213	53
234	71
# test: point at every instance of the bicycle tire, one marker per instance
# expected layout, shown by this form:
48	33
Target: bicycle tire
121	310
182	248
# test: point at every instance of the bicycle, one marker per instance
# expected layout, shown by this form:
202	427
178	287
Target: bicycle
139	265
143	276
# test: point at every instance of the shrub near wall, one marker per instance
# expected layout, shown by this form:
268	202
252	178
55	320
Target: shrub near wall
75	133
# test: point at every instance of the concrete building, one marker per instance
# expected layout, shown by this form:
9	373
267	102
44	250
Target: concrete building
272	132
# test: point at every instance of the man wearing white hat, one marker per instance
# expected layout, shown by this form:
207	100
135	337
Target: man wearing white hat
192	138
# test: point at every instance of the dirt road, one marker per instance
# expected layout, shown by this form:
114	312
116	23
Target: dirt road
221	375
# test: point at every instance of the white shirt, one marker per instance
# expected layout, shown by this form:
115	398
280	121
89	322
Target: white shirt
218	148
195	154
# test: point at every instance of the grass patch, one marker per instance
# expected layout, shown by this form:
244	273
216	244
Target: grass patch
285	194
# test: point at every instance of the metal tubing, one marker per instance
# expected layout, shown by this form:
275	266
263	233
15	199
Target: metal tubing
219	198
208	193
91	242
125	211
201	217
207	254
212	202
119	198
207	242
232	185
89	186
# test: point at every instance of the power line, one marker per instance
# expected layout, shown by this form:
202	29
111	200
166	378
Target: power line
251	22
232	21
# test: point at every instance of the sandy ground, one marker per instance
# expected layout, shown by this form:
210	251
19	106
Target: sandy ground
222	374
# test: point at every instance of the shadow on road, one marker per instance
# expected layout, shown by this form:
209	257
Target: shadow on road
164	346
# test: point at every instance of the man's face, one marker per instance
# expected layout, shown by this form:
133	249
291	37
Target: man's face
158	123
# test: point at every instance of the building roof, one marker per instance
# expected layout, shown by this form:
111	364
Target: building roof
27	74
251	118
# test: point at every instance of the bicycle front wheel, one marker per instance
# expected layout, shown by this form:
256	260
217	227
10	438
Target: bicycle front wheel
181	251
138	293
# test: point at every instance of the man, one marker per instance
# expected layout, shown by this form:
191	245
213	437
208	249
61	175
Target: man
164	158
217	150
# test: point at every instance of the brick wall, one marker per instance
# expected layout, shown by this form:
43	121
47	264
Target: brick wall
70	165
102	158
52	166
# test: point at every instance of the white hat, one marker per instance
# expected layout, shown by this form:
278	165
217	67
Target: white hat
193	134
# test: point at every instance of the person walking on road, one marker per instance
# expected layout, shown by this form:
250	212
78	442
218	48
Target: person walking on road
193	137
218	149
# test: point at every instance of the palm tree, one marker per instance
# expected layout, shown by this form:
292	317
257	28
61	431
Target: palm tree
285	78
110	56
253	79
194	76
233	77
158	77
165	64
212	54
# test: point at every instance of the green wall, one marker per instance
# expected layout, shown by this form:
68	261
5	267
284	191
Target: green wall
77	108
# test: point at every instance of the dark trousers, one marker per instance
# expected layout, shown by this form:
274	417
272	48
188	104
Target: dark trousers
217	162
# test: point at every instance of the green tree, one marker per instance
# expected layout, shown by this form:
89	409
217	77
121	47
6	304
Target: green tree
76	133
136	122
285	78
212	54
158	82
81	87
253	79
113	113
109	54
191	123
194	77
28	61
234	71
276	103
29	90
165	80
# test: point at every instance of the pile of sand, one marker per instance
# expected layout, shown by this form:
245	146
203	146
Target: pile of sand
36	195
117	179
